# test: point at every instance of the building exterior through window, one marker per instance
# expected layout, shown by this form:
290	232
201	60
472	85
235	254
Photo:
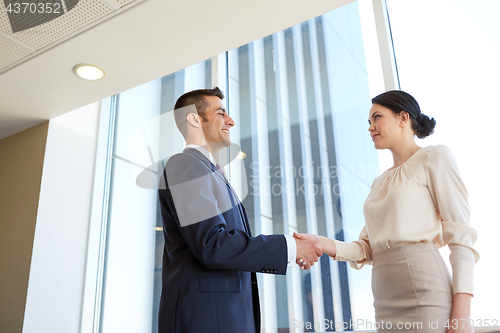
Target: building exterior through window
299	99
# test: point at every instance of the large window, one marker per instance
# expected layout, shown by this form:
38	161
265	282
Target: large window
300	100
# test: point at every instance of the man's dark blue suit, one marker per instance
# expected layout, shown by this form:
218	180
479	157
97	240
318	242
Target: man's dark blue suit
209	263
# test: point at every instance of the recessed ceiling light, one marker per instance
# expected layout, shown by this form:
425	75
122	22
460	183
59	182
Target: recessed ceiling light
89	72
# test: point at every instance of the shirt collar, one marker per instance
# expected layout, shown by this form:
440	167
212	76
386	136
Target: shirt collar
205	152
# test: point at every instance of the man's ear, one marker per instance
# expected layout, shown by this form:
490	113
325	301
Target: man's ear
193	119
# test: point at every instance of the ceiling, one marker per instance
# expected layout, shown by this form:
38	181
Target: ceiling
136	41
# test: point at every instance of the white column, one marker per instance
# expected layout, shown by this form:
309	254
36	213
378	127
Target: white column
260	127
385	45
294	285
55	294
325	172
312	228
194	76
236	171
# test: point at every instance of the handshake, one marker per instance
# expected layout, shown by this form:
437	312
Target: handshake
311	247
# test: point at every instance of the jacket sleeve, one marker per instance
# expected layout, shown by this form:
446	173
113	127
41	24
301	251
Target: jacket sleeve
201	210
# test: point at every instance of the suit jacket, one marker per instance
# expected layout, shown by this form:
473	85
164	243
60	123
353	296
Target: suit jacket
210	257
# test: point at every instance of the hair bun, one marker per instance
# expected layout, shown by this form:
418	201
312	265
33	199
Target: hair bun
425	126
397	101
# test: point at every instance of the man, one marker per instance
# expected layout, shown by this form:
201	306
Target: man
210	257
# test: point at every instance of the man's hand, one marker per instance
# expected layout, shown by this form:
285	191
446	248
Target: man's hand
308	250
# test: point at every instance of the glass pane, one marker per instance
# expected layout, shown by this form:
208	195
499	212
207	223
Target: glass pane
300	100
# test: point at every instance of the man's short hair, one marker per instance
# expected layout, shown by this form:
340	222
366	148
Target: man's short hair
196	97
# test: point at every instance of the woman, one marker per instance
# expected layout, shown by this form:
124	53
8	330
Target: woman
415	207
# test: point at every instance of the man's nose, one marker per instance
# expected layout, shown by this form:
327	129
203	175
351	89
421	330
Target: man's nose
229	121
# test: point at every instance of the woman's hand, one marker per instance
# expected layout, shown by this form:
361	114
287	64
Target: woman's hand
460	316
314	239
326	245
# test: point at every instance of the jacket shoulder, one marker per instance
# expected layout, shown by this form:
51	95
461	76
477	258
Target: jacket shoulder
184	167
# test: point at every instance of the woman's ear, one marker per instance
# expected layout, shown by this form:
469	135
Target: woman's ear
404	118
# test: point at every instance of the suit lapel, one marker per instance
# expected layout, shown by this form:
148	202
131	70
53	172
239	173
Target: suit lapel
230	189
205	160
244	216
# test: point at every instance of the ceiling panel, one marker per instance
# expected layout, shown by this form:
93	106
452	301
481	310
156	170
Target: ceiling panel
33	28
10	53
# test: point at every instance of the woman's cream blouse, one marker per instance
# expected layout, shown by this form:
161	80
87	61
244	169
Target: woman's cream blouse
422	200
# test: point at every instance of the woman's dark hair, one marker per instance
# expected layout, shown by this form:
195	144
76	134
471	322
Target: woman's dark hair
398	101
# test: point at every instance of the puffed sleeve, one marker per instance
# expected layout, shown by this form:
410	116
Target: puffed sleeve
450	198
357	253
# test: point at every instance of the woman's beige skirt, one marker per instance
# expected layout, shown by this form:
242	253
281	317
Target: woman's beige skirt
411	289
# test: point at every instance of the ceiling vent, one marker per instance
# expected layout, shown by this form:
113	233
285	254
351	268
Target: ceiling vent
29	27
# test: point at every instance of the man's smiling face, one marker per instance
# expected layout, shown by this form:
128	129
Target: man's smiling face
216	123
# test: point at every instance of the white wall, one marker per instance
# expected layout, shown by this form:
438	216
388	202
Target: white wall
56	280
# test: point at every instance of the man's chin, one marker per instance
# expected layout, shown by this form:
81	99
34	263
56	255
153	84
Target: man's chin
221	144
225	142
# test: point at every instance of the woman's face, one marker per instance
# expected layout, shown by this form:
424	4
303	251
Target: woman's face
385	129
